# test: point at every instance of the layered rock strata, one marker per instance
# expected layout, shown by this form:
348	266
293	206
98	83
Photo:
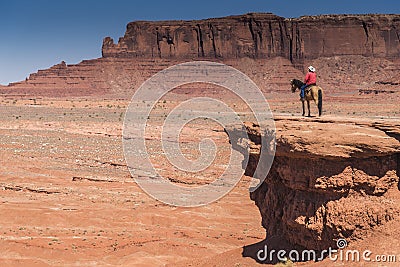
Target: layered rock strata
330	179
349	51
261	35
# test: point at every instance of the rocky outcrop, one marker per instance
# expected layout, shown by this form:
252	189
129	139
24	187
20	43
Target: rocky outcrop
104	77
330	179
119	77
60	80
360	51
261	35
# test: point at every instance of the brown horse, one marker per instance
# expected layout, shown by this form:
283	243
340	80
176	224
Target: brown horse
313	92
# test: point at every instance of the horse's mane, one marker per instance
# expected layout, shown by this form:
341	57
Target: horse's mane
297	83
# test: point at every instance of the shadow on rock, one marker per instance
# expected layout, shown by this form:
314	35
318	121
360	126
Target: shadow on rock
275	250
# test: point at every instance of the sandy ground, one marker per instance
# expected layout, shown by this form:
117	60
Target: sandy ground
68	199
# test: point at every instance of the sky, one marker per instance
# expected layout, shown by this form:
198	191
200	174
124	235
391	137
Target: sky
38	34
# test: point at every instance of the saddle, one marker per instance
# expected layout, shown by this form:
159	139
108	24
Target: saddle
308	88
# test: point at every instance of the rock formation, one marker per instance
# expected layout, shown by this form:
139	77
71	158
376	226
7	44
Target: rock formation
329	180
356	50
261	36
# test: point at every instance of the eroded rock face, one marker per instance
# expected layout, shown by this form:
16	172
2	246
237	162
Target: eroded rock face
360	51
329	180
261	35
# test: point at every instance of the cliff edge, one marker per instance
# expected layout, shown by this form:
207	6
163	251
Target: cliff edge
330	179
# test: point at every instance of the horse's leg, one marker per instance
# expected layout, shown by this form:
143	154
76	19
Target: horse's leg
319	102
317	96
308	106
304	112
316	101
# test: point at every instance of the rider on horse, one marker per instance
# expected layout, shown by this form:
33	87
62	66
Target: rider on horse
311	79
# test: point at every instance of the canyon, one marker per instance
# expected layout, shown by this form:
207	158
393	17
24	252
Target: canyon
67	195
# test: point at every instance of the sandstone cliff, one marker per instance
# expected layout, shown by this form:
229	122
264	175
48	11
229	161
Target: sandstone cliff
358	51
261	36
330	179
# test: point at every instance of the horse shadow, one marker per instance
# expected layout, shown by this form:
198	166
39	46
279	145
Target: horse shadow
267	251
253	250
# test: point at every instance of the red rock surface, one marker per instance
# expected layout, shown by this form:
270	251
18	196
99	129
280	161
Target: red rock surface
68	198
330	179
260	36
350	53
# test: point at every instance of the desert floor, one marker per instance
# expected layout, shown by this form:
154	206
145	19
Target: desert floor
68	199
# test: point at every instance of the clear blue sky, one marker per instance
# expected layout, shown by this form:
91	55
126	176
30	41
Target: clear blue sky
38	34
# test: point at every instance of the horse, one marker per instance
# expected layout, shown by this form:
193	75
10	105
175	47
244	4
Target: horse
312	92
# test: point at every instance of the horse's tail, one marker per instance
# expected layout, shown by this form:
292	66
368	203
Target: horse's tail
320	101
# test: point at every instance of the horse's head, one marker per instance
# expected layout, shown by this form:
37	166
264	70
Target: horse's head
293	86
296	84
